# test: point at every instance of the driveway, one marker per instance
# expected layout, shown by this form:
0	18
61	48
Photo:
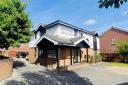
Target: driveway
25	73
102	75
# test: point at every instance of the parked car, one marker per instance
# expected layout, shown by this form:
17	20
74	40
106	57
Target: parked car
22	54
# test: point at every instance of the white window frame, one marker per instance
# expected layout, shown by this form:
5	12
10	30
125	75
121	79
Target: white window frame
113	41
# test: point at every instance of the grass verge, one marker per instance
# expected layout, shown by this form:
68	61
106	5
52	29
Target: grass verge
118	64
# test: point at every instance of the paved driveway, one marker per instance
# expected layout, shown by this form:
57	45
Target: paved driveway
29	74
101	75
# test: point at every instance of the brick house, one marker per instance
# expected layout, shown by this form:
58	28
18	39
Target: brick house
108	40
62	44
12	51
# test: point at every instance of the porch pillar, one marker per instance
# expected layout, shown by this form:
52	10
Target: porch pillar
70	55
57	57
77	54
80	54
87	54
37	55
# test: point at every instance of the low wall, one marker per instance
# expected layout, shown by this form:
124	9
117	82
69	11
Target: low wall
111	57
6	68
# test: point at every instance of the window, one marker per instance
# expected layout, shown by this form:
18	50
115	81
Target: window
113	41
51	53
76	33
42	32
87	39
81	34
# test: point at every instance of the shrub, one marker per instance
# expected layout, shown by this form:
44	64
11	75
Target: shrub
83	61
98	58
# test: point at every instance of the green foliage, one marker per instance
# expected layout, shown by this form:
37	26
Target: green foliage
83	61
123	49
111	3
122	46
98	58
118	64
14	23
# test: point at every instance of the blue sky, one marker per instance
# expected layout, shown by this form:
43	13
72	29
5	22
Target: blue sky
81	13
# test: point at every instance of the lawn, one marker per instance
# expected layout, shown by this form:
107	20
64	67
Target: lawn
118	64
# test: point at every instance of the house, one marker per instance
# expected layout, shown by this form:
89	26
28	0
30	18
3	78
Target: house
13	51
62	44
108	40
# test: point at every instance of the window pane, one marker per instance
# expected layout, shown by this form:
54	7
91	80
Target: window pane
113	41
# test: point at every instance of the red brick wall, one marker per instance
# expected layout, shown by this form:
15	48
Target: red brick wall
12	51
6	68
106	40
64	59
33	55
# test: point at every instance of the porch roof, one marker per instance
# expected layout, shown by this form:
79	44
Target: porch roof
58	40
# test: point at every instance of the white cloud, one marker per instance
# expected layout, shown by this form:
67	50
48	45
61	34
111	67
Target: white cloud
125	13
90	22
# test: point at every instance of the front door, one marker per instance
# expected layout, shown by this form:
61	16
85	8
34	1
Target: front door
75	60
43	57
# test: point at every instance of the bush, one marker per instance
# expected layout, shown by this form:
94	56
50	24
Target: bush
98	58
91	59
83	61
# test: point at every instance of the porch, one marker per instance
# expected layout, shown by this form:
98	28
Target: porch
55	52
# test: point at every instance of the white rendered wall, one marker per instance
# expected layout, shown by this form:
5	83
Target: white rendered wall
62	31
98	43
90	38
66	32
34	40
55	30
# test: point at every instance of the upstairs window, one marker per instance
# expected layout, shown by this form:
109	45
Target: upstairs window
75	33
87	39
113	41
42	32
81	34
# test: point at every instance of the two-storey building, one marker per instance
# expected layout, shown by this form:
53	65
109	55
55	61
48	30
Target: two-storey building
108	41
62	44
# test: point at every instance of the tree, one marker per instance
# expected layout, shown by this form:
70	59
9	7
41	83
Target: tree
111	3
122	48
14	23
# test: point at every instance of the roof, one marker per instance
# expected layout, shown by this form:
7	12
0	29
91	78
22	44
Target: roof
57	40
76	39
116	28
23	47
65	24
37	28
120	29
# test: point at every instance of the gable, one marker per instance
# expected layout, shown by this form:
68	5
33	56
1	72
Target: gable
58	22
114	30
119	31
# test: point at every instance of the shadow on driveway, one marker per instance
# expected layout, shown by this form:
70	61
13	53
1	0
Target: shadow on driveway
123	83
48	77
18	64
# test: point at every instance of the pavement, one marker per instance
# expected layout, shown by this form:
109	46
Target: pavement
25	73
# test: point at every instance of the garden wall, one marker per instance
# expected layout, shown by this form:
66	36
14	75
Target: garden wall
6	68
